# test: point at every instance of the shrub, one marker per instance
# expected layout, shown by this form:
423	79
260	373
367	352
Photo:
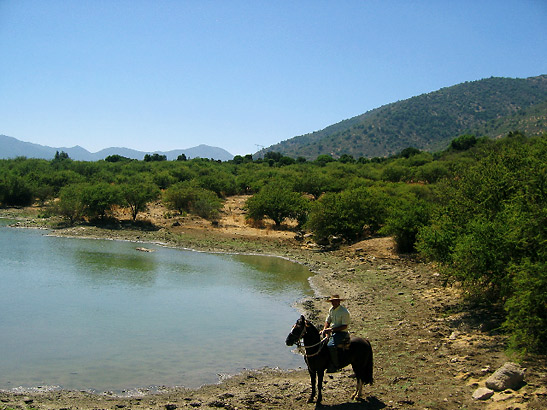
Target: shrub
527	306
137	194
278	203
99	198
188	197
405	219
14	191
206	204
347	214
463	142
490	233
70	205
179	196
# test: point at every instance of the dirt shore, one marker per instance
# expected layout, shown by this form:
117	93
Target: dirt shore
430	350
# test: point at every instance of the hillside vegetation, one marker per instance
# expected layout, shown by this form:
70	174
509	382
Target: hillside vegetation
478	208
490	107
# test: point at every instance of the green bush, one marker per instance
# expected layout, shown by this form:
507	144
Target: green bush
15	191
405	219
490	233
278	203
179	196
206	204
527	306
348	214
99	198
137	194
189	197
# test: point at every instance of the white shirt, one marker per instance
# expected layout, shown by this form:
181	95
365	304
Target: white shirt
338	317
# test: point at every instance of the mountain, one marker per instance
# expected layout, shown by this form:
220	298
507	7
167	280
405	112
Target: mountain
11	148
490	107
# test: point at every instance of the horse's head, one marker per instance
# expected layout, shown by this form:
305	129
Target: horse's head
297	331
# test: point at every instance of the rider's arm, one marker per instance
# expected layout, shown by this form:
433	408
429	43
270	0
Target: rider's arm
340	328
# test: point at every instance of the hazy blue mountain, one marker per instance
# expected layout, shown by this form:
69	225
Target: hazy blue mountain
11	148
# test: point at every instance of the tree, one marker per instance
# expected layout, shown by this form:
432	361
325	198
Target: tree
272	155
278	203
409	152
323	159
406	217
187	196
182	157
314	182
99	198
70	205
490	234
116	158
137	194
155	157
348	214
463	142
179	196
206	204
14	191
346	159
60	156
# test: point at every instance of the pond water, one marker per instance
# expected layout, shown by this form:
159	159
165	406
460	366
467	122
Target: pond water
100	315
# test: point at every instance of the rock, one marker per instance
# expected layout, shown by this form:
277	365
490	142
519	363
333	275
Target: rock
509	376
482	393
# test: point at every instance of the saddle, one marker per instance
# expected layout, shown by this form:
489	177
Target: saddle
345	343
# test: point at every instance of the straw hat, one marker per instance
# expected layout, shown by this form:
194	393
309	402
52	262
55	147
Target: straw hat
335	297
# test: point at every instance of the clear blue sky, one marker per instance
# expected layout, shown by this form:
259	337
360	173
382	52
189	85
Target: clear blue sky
160	75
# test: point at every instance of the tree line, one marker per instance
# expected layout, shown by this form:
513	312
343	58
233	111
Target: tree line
477	208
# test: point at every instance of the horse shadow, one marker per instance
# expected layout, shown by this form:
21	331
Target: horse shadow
367	403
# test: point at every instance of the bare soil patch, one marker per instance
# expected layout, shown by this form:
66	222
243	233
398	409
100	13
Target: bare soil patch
430	350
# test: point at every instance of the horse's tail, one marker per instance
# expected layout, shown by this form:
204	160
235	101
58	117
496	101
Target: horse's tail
363	372
368	377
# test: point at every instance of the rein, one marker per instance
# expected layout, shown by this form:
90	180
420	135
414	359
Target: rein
300	345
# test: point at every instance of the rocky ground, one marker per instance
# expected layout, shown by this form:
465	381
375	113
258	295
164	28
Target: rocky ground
431	351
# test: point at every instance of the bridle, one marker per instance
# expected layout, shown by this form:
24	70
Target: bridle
302	346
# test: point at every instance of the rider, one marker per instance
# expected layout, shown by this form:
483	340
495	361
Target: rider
336	326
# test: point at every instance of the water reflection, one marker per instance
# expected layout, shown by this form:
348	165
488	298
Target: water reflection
276	274
103	267
100	314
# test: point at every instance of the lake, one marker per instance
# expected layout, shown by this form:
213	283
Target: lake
99	315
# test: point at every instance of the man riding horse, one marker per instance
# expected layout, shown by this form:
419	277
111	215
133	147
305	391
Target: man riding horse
336	325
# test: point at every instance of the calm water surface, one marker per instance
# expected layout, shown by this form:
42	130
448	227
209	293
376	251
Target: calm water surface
97	314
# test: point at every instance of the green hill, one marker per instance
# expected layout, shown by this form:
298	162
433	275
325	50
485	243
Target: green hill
489	107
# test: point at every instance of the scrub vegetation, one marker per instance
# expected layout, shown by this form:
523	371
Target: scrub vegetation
478	208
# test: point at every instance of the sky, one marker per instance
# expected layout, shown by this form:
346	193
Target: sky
159	75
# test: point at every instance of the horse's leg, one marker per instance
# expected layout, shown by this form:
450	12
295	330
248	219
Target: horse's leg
312	379
320	375
358	389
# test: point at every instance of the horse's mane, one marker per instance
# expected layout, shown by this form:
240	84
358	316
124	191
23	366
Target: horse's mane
311	326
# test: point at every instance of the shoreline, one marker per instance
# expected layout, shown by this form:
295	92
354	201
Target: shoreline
429	352
139	392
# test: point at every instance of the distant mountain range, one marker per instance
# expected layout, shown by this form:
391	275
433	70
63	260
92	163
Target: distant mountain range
490	107
11	148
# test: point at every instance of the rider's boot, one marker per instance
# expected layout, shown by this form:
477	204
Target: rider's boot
333	364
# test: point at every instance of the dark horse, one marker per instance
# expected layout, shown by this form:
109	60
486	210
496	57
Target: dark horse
317	357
